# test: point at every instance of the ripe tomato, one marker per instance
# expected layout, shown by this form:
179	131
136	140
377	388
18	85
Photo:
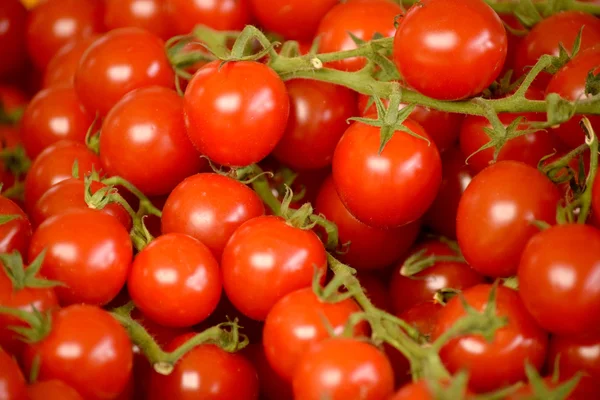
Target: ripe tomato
348	360
210	207
12	98
520	340
14	234
52	390
557	279
493	226
596	199
362	18
390	189
419	390
87	349
576	354
150	15
375	289
12	382
118	62
236	113
63	65
265	259
272	386
450	49
144	141
13	18
223	15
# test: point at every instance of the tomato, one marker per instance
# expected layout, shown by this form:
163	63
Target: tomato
84	247
528	391
150	15
206	372
265	259
450	50
362	18
12	382
390	189
144	141
520	340
318	118
419	390
63	65
12	98
361	371
87	349
13	18
236	113
52	390
16	233
513	41
596	199
223	15
118	62
493	226
210	207
557	279
53	23
370	248
272	386
576	354
375	289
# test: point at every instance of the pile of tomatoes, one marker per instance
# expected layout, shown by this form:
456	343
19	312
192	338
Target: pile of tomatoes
222	229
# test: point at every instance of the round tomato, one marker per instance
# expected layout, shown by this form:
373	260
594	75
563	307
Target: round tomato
150	15
16	233
223	15
272	386
575	354
12	382
13	18
52	390
62	67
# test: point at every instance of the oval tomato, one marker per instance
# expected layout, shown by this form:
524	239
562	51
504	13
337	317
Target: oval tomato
16	233
63	65
52	390
13	18
150	15
12	382
223	15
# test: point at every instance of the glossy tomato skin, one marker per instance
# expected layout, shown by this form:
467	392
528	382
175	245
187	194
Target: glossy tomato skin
493	226
14	234
63	65
13	17
224	15
521	339
318	118
557	279
236	113
370	248
210	207
52	390
70	352
118	62
12	381
390	189
362	18
439	52
150	15
265	259
575	354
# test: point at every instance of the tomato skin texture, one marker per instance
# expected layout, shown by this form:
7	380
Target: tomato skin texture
235	115
13	17
390	189
223	15
52	390
150	15
119	62
264	260
222	202
100	251
370	248
521	339
14	234
12	382
438	48
571	252
62	67
363	18
317	121
492	226
344	358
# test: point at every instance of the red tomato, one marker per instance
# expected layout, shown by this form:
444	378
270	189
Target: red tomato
62	67
52	390
12	98
223	15
493	226
272	386
14	234
419	390
236	113
265	259
513	41
375	289
118	62
210	207
520	340
361	371
147	14
12	382
528	392
362	18
13	18
576	354
144	141
557	279
596	199
390	189
87	349
450	49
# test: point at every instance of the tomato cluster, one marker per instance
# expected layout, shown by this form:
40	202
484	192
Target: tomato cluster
397	203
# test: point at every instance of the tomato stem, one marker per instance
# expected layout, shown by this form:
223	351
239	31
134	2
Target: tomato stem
419	262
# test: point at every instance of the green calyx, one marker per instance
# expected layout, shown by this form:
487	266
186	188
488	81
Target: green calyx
21	277
39	324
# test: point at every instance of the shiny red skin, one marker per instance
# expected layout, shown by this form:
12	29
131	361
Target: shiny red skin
14	234
210	207
364	372
144	141
370	248
12	381
52	390
53	23
223	15
557	279
390	189
272	386
362	18
493	226
265	259
150	15
119	62
450	49
318	118
63	65
236	113
88	250
70	352
520	340
575	354
13	17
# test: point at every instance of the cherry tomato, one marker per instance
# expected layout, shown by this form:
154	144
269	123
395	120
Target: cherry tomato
576	354
52	390
272	386
223	15
150	15
210	207
16	233
362	18
419	390
63	65
390	189
520	340
557	279
493	226
265	259
450	49
118	62
12	382
13	18
237	112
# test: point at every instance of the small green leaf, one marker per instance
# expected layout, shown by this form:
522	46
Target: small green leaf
9	217
592	83
527	13
75	169
358	41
